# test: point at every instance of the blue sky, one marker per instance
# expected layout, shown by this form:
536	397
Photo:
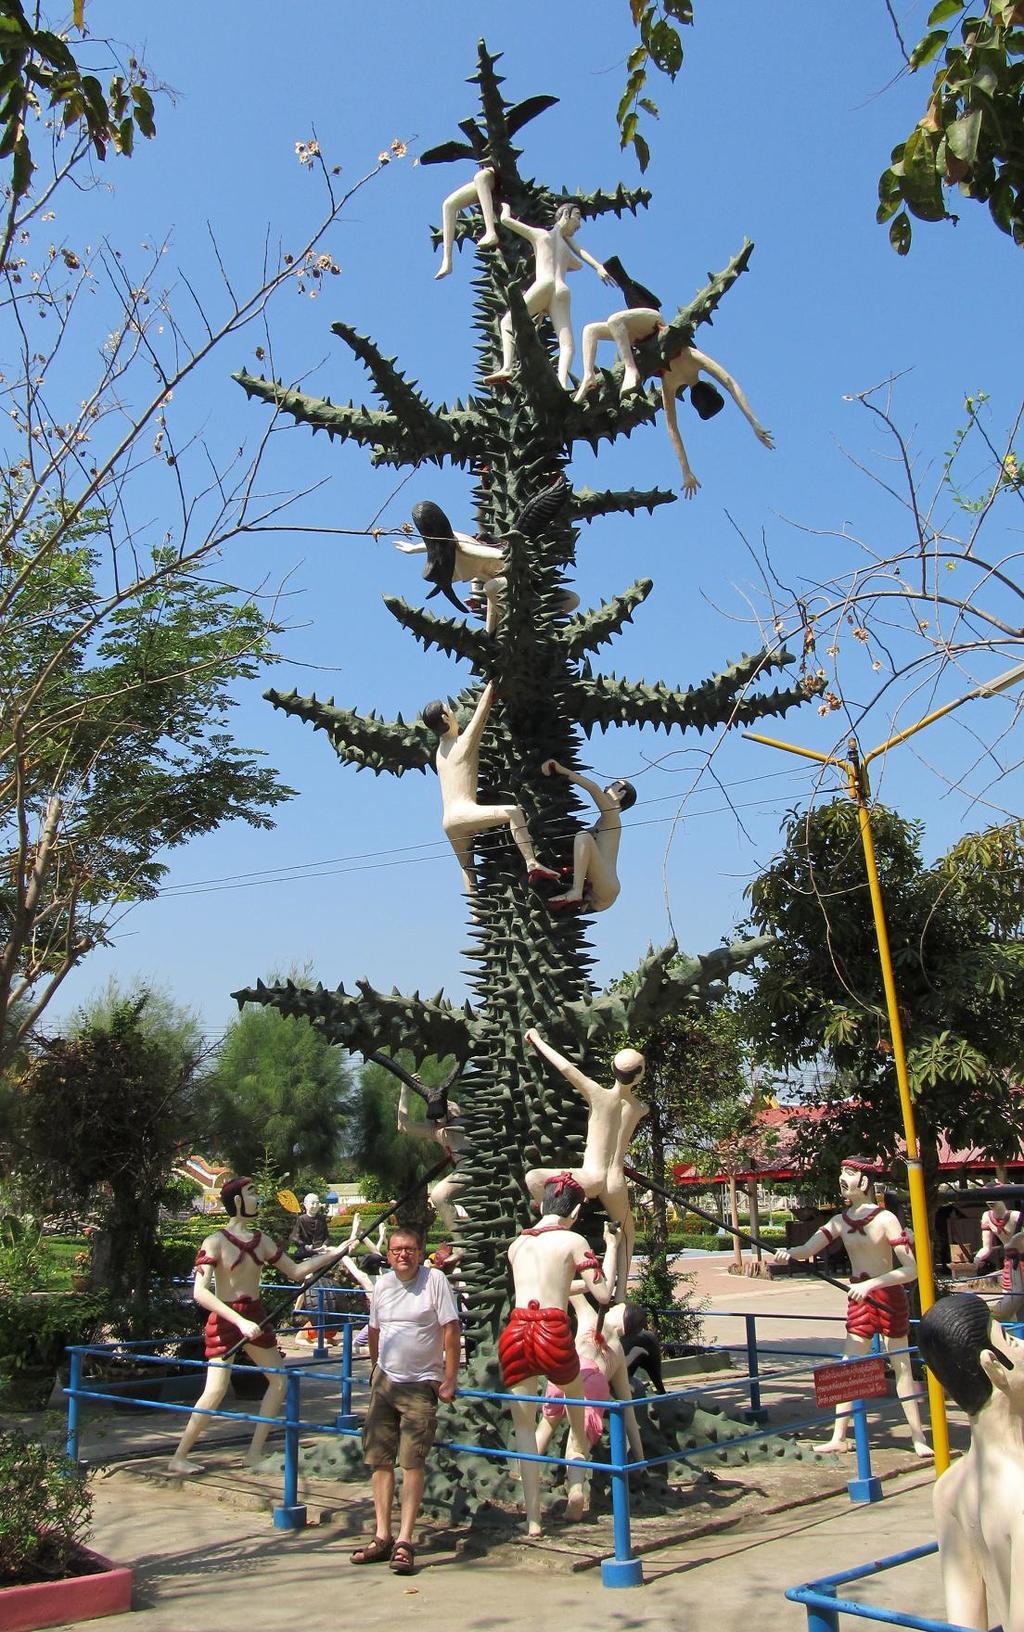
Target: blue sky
777	129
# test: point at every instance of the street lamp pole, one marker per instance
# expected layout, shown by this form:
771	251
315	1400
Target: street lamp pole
855	769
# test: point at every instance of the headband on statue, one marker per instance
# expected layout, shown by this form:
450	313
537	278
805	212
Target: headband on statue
873	1169
562	1182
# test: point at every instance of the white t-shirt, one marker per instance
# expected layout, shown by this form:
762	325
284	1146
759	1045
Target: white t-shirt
410	1316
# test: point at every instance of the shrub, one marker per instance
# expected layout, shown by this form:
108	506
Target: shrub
20	1253
45	1510
35	1330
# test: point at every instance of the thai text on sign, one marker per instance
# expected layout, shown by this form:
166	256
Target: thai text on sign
850	1380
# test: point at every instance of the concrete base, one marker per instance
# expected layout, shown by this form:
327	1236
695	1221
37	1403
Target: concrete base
290	1518
622	1572
865	1490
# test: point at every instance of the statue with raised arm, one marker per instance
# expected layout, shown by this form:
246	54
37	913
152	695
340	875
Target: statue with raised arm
458	768
556	253
478	191
999	1225
614	1114
450	1134
881	1254
595	882
227	1285
537	1342
978	1515
639	323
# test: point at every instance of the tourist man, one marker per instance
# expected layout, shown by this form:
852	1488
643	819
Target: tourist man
414	1353
977	1501
881	1254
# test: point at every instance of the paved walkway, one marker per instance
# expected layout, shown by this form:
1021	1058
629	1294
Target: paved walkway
202	1562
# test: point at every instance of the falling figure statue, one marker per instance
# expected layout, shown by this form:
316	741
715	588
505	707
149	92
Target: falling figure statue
458	768
556	253
615	1113
595	882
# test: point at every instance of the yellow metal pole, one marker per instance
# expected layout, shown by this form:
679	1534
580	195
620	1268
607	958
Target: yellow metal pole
857	787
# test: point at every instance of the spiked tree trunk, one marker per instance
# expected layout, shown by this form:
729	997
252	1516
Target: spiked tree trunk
528	966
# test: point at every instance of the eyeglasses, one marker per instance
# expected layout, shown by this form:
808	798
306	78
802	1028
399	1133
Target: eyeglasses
404	1252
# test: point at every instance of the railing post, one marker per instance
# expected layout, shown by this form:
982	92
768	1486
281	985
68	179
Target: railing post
346	1417
320	1352
865	1488
756	1411
74	1384
291	1515
624	1570
822	1620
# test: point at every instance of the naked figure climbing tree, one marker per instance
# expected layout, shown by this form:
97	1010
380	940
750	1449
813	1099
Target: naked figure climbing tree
514	440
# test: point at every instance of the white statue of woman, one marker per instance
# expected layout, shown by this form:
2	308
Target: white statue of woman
458	768
556	253
614	1115
685	369
478	191
595	881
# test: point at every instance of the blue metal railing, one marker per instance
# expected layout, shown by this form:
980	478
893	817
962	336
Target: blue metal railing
824	1605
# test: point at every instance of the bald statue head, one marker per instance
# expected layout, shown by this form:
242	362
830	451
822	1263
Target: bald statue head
628	1067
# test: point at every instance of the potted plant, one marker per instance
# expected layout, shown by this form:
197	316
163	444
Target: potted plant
81	1271
48	1577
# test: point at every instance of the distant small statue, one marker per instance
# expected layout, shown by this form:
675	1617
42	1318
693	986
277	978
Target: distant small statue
480	191
978	1512
998	1227
639	323
614	1114
227	1284
595	881
556	254
458	771
882	1257
310	1230
537	1342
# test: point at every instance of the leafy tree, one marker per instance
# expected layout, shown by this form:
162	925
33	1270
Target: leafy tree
817	996
279	1096
101	1115
970	136
120	647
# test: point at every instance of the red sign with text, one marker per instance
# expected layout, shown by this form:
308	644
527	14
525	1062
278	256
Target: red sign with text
850	1380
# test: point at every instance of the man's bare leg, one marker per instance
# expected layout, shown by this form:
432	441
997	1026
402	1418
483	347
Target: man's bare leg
525	1419
217	1379
409	1508
576	1450
382	1483
273	1400
839	1442
907	1392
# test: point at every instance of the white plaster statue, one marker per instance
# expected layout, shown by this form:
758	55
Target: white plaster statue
881	1254
614	1115
556	253
454	557
537	1341
451	1136
977	1502
227	1285
595	882
478	191
685	369
604	1373
458	768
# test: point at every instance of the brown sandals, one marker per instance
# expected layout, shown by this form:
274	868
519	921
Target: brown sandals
377	1551
403	1558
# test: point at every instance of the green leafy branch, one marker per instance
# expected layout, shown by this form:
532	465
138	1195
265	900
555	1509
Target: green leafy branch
661	47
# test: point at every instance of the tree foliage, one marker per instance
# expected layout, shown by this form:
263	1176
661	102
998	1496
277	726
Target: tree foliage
817	996
970	136
279	1096
393	1160
101	1115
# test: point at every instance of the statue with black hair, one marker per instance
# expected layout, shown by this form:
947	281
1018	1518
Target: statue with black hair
458	770
227	1284
595	850
979	1516
614	1114
537	1342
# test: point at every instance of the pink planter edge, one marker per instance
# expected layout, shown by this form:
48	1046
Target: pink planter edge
76	1598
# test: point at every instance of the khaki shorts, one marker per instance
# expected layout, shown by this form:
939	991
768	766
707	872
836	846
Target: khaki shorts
400	1423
